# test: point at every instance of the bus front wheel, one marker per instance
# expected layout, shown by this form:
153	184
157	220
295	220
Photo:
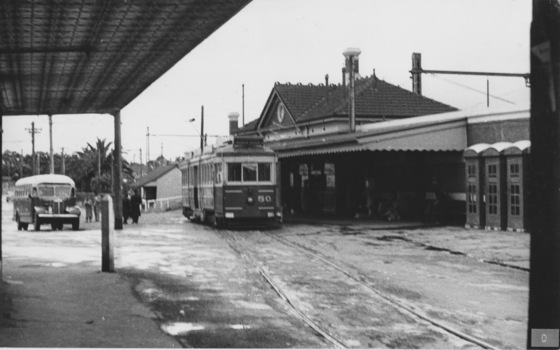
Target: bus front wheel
19	224
37	224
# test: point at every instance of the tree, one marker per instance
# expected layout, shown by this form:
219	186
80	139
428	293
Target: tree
91	168
14	165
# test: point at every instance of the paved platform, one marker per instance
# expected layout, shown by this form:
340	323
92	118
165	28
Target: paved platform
73	307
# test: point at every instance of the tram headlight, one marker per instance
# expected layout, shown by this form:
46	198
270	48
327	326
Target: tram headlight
250	200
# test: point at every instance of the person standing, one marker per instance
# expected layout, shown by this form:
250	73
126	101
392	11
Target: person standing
370	197
135	202
125	208
88	203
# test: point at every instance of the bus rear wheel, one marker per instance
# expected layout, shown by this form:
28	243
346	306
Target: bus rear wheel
76	224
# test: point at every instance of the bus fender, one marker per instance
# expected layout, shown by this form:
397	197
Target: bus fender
40	210
74	210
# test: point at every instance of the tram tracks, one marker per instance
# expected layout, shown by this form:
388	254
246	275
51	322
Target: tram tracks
241	247
391	300
242	250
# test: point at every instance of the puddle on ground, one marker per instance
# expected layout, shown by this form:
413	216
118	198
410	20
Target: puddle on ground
438	249
177	328
58	264
387	238
240	326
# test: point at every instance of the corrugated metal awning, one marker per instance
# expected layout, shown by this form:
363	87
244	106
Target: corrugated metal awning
95	56
435	137
443	134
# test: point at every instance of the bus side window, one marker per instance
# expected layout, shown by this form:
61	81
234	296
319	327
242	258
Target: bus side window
34	193
72	193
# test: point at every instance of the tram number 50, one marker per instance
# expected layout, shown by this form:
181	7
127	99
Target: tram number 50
266	199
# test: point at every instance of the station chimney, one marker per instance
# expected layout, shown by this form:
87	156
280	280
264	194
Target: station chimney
233	122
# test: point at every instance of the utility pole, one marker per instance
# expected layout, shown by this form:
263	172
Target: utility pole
141	163
351	55
544	177
38	163
51	144
242	104
63	163
202	129
117	173
147	146
33	131
21	163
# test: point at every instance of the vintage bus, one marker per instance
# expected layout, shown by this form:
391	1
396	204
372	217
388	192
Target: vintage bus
232	185
46	199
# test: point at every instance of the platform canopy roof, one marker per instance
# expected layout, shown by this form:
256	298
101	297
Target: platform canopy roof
95	56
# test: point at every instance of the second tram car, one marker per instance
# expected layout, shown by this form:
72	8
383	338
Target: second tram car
236	184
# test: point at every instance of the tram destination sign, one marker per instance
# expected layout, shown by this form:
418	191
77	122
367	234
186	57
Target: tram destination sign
248	141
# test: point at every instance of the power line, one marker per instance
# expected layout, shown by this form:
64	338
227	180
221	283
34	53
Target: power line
471	88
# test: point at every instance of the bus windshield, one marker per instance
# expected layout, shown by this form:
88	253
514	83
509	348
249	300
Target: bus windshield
52	190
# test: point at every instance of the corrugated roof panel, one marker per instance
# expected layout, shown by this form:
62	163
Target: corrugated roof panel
84	56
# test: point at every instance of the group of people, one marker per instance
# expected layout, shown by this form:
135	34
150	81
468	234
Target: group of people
131	206
92	206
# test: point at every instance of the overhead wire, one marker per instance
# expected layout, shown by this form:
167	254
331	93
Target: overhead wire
471	88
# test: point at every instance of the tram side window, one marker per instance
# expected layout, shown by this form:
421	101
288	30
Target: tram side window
234	172
218	173
264	171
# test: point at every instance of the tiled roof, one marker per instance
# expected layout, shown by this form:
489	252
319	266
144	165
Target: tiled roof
374	99
153	175
251	126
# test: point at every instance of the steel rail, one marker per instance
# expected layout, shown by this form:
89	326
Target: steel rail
240	249
396	303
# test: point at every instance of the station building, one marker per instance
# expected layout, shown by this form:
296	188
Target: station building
382	151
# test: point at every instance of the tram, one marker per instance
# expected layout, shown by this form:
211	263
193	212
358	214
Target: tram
236	184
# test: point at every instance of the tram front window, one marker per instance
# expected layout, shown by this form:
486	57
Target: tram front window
264	171
249	172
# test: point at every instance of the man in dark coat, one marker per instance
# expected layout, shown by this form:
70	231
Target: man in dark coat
135	202
125	208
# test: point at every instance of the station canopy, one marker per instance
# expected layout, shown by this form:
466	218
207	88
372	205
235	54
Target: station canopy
96	56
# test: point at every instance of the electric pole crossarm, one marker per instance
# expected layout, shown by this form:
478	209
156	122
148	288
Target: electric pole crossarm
179	135
456	72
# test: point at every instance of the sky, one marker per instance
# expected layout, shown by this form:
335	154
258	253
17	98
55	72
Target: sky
299	41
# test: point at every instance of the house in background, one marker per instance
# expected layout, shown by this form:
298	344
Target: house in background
161	188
